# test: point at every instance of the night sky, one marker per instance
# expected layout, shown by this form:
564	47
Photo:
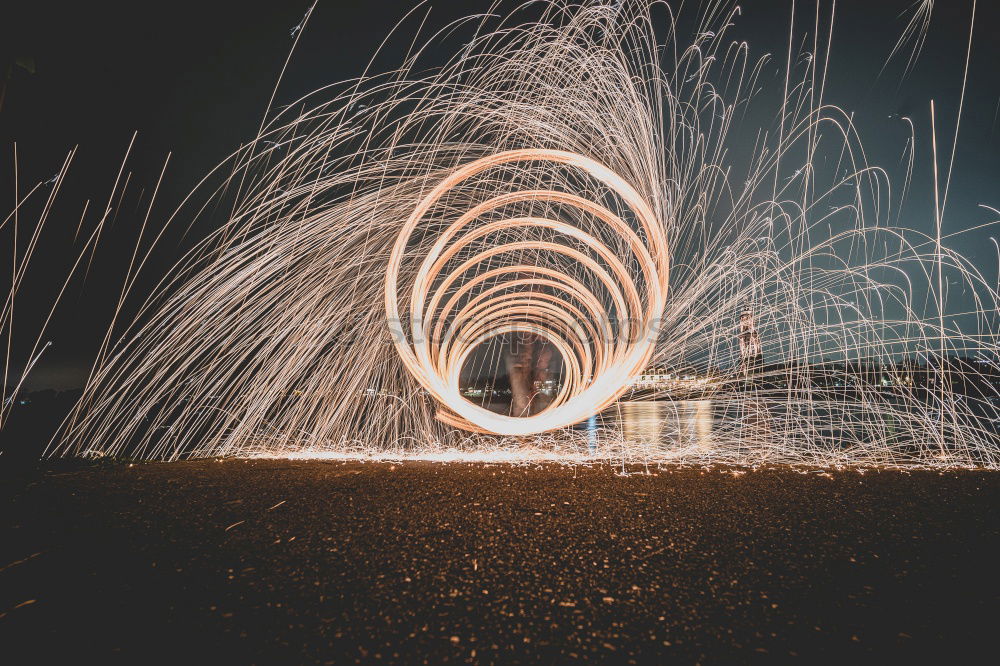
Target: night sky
194	78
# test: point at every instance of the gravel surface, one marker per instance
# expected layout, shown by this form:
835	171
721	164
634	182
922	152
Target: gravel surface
289	562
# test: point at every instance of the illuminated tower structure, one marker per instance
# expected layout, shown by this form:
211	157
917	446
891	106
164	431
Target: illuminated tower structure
751	354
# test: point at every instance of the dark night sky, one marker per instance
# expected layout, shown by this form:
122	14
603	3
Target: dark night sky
194	78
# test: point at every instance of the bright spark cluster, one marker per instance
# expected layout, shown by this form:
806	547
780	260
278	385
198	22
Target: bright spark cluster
552	179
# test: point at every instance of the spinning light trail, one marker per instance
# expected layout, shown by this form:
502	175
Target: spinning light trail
601	362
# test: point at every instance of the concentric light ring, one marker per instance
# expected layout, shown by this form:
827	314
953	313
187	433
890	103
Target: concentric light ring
597	371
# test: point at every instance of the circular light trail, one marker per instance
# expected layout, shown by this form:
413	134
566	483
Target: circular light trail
602	349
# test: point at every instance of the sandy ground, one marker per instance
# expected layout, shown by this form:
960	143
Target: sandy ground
308	561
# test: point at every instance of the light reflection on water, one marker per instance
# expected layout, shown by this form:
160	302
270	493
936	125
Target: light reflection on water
691	421
649	422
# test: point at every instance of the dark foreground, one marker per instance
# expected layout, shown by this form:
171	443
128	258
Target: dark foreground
287	562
